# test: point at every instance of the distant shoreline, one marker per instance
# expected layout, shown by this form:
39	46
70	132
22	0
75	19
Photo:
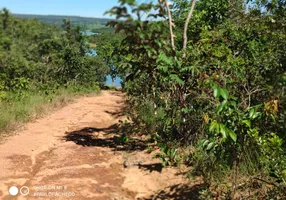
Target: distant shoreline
58	16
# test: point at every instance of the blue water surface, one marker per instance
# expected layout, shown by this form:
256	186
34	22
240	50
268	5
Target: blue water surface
89	33
116	83
118	80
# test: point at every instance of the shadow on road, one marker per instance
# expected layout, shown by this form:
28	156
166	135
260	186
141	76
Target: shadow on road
151	167
119	112
179	192
88	137
116	114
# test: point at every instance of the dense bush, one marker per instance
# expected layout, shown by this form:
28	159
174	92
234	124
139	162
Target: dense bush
218	85
42	66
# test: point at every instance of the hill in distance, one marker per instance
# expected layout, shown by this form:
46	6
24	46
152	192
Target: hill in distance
87	23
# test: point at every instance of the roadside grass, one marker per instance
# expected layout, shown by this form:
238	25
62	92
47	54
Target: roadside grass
24	106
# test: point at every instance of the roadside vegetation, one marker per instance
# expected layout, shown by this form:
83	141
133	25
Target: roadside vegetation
43	66
20	107
207	78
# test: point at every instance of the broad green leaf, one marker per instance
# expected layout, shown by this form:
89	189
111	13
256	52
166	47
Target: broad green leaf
219	108
222	106
224	103
224	93
210	146
247	122
251	113
255	115
205	142
213	125
232	135
223	131
216	91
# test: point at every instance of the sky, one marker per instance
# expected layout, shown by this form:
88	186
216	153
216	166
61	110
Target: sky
84	8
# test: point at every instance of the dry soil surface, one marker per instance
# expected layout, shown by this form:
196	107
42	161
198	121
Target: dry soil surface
72	154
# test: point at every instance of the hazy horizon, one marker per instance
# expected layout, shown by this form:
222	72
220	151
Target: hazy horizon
105	17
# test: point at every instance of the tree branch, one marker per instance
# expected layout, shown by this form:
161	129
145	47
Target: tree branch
171	24
186	27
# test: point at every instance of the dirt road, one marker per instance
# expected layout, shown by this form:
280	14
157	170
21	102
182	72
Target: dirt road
71	154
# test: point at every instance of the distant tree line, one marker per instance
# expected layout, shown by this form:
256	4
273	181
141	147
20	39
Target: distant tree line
86	23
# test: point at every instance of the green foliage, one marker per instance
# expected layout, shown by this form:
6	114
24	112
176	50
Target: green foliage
225	96
122	139
40	64
169	157
32	53
107	45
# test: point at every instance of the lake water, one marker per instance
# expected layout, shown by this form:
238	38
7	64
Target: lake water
118	80
89	33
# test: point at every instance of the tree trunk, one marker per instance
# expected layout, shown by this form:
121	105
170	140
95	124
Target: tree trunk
113	80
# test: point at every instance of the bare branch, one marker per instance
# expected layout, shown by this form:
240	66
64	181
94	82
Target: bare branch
251	92
171	24
186	27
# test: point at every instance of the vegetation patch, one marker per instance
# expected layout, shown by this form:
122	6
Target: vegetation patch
43	66
209	76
